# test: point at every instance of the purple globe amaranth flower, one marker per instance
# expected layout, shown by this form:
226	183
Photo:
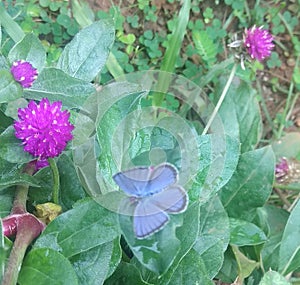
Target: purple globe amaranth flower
282	168
24	73
258	43
44	128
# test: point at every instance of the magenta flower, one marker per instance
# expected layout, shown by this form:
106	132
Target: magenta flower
44	128
24	73
258	43
281	169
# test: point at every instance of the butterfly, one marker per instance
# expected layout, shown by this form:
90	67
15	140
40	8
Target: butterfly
156	195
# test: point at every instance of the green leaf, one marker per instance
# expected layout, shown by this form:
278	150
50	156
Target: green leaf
83	13
245	265
172	52
191	270
71	189
214	235
58	86
29	49
218	161
240	114
10	90
48	267
11	148
6	201
251	184
126	274
187	236
244	233
273	221
93	266
156	252
86	226
289	254
85	56
10	26
273	277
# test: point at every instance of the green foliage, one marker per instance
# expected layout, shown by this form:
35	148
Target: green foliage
205	47
229	229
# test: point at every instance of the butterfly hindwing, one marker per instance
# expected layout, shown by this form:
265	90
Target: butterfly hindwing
148	219
173	200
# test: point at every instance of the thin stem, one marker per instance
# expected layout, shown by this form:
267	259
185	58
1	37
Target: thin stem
225	90
19	205
56	182
290	187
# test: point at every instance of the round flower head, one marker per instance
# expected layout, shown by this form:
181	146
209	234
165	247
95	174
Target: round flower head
44	128
24	73
258	43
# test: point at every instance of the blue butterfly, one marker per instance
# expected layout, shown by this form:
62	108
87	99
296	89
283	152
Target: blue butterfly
156	194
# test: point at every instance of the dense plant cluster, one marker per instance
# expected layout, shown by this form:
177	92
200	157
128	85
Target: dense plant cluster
138	145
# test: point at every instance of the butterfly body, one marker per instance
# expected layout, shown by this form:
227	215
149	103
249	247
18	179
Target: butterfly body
156	194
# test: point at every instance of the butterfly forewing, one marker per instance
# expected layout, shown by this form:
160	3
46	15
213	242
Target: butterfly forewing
145	181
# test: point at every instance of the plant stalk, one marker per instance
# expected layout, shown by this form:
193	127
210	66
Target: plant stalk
27	228
222	97
56	182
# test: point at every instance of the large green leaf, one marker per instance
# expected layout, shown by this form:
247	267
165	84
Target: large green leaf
289	254
191	270
240	114
219	157
86	54
214	235
9	88
56	85
156	252
187	235
93	266
11	148
48	267
71	189
251	184
86	226
29	49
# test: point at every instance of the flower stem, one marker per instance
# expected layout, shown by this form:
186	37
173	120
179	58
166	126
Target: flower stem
27	227
19	205
56	183
225	90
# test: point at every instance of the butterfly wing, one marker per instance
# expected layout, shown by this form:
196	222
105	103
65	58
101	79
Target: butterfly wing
145	181
133	181
173	200
148	219
161	177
